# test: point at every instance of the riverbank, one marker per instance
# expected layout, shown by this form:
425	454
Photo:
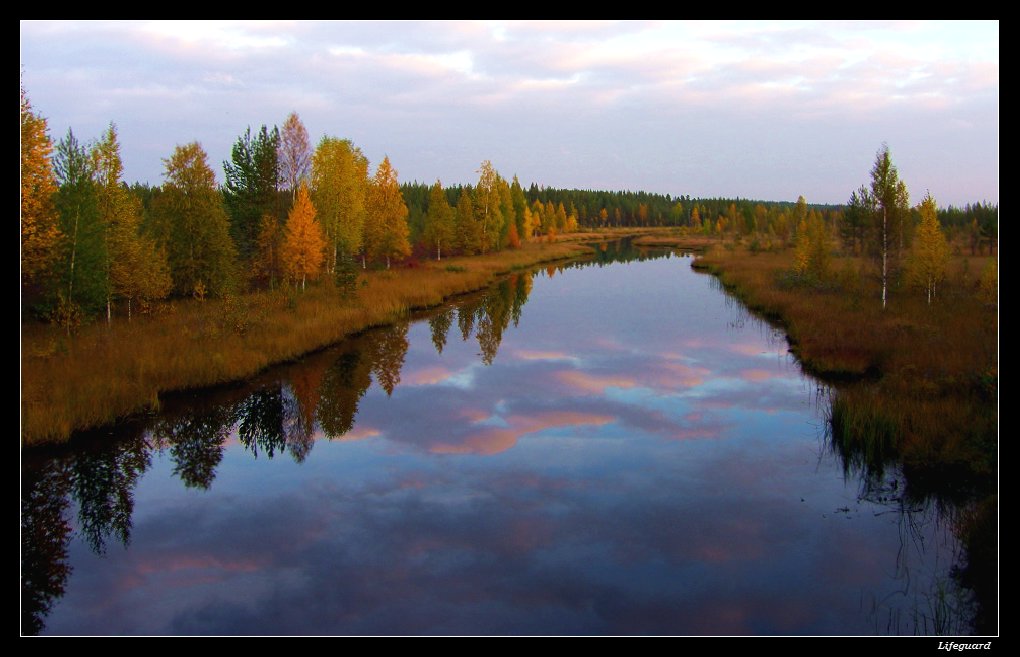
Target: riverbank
917	381
673	239
107	372
917	386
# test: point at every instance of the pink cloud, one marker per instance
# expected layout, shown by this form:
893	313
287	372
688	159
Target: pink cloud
680	375
360	433
426	376
594	383
526	354
473	414
756	375
747	349
492	440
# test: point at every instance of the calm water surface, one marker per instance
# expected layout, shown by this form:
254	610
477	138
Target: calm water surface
611	449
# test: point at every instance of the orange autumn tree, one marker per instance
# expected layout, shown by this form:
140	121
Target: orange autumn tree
40	236
303	244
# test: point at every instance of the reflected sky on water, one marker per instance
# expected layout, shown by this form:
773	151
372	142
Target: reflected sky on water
613	449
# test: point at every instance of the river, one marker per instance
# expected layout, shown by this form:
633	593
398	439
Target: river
607	447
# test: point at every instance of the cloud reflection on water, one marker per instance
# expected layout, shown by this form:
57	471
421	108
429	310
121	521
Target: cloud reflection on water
669	487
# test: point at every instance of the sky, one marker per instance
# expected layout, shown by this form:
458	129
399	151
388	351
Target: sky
760	110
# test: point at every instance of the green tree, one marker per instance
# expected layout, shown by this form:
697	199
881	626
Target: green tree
930	254
339	190
520	203
250	190
386	231
189	222
83	280
891	212
507	214
268	264
860	210
468	230
439	221
137	268
487	206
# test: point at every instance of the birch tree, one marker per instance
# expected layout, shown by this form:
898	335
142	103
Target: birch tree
386	230
339	189
294	154
930	253
891	210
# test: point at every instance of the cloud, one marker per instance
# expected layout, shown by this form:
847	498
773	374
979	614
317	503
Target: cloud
492	440
529	354
425	376
594	383
706	108
757	375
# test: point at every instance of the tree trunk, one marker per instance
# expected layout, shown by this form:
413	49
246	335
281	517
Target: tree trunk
74	250
885	255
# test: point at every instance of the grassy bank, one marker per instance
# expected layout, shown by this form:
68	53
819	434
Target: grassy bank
106	372
918	382
674	239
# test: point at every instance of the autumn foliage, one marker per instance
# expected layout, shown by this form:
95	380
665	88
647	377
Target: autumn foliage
39	232
302	251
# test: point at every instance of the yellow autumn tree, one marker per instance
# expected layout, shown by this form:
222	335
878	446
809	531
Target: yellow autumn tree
529	224
386	229
137	268
303	244
40	236
340	187
802	250
988	286
926	267
811	249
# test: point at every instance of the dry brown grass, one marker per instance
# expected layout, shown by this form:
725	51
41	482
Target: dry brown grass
106	372
693	242
928	372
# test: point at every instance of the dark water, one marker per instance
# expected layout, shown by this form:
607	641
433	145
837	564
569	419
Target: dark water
611	449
